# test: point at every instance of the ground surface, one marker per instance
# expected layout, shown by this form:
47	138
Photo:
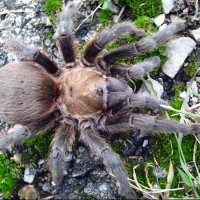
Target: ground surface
86	177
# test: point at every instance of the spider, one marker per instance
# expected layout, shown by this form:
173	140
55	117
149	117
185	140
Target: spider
82	96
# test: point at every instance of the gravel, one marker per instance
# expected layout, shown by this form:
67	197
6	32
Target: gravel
85	174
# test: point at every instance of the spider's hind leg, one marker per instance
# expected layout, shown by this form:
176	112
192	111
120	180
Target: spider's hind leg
64	36
110	159
31	53
63	140
19	133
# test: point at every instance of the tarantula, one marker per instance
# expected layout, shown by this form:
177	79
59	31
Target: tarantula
82	95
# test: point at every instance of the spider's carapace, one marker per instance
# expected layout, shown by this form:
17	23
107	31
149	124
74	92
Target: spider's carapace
83	91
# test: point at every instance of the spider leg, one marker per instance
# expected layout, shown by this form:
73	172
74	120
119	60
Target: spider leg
64	33
139	101
31	53
18	133
110	159
149	123
120	98
63	140
97	44
136	71
143	45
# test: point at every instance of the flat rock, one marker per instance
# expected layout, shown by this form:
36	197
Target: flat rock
168	5
178	50
195	34
29	174
159	20
156	86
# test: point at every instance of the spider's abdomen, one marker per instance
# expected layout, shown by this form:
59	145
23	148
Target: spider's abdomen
82	91
27	92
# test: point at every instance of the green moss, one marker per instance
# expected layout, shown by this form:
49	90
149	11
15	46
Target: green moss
28	157
10	174
178	88
89	197
117	146
176	103
105	16
52	9
191	66
93	178
41	142
163	150
150	8
146	23
50	34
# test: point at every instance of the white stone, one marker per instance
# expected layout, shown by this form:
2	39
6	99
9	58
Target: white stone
167	5
178	50
29	174
194	86
194	100
159	20
182	95
157	87
196	34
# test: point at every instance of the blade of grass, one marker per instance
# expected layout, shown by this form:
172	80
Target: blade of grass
170	178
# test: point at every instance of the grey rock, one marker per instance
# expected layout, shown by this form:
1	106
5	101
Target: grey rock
41	162
156	86
159	20
113	8
18	21
46	186
160	172
168	5
195	34
68	157
36	39
178	50
103	187
29	174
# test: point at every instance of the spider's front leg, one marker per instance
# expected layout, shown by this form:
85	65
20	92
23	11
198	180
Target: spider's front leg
121	99
136	71
64	36
31	53
150	124
97	44
143	45
63	140
110	159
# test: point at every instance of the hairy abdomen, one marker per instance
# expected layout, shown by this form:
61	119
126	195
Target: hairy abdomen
27	93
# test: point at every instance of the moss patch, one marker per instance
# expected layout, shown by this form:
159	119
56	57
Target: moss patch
105	16
52	9
41	143
150	8
178	88
191	66
10	174
146	23
176	103
163	150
